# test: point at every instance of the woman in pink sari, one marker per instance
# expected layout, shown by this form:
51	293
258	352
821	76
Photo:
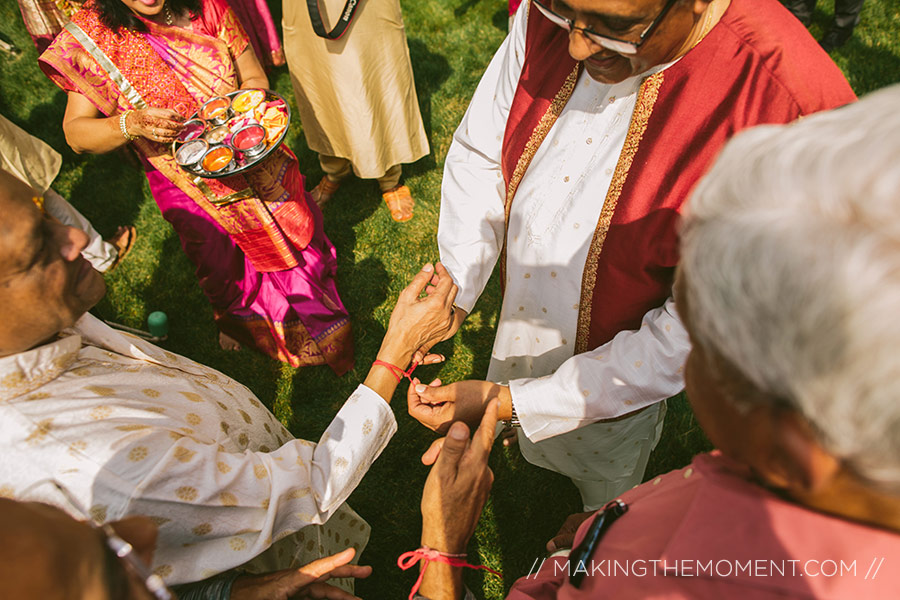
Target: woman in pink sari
134	70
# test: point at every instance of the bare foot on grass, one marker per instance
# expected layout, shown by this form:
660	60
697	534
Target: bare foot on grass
228	343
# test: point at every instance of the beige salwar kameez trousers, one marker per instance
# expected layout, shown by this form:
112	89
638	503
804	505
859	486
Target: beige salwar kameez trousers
355	95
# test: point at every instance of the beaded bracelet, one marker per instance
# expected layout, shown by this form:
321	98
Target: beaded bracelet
124	129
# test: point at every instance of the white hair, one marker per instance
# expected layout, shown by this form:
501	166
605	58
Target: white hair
791	265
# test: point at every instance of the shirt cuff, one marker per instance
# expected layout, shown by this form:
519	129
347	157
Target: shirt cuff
530	397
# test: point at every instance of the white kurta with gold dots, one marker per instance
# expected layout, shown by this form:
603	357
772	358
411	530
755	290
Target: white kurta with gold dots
131	429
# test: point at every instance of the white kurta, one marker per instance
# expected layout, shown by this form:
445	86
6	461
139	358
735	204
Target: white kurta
551	225
131	429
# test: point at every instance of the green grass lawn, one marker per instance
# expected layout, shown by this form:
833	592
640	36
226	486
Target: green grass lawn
451	42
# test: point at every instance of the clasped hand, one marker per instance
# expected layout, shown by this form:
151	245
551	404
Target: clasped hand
436	406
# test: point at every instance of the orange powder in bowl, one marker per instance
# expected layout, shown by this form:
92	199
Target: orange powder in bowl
218	159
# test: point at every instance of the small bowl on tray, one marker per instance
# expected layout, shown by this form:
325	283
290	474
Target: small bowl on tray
250	124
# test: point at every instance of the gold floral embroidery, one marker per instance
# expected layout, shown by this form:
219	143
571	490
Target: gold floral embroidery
223	467
163	570
138	453
134	427
40	431
228	499
77	447
299	493
237	544
202	529
643	109
193	397
186	493
193	418
98	513
184	455
150	393
260	471
98	413
101	390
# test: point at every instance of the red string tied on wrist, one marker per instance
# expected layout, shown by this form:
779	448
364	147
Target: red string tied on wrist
397	371
407	560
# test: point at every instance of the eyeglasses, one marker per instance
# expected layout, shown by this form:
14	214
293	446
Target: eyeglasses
122	550
610	43
582	552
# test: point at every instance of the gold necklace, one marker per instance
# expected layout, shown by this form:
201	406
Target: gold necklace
167	13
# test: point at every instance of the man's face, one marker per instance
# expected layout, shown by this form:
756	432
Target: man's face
45	284
47	554
626	20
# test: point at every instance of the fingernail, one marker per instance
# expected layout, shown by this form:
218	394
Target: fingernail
428	268
420	389
458	431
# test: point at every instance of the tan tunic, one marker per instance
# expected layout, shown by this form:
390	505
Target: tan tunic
26	157
356	96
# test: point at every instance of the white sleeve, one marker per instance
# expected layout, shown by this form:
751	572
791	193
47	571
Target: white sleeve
633	370
471	227
209	496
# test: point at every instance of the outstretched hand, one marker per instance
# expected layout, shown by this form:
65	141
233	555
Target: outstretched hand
306	582
455	492
458	484
418	320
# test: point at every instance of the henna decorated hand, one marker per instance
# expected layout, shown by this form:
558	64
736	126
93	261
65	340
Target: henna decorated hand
155	124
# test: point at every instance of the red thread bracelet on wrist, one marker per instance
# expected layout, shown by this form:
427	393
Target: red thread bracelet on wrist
407	560
397	371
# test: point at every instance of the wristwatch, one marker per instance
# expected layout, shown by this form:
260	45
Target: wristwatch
513	420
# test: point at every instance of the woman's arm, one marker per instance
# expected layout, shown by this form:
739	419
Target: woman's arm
87	130
249	72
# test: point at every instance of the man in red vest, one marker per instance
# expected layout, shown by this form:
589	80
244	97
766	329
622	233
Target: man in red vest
585	136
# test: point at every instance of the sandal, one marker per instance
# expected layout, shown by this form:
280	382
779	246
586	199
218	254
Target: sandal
323	192
400	202
123	242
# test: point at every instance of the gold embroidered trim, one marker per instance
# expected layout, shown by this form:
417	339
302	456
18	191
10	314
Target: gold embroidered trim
531	147
229	199
643	109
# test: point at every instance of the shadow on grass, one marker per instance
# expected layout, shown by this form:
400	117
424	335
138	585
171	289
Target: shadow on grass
430	70
866	65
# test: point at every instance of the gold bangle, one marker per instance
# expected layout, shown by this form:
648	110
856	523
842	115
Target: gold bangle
124	128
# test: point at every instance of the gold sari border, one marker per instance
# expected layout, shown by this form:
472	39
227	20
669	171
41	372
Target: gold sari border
244	194
111	69
647	96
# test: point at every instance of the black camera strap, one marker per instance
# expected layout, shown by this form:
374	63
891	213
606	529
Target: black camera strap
342	24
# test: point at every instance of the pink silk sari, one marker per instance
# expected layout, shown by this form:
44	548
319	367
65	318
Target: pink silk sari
254	15
271	283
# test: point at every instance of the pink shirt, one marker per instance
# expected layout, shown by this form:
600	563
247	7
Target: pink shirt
707	531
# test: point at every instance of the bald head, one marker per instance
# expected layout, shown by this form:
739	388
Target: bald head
45	283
